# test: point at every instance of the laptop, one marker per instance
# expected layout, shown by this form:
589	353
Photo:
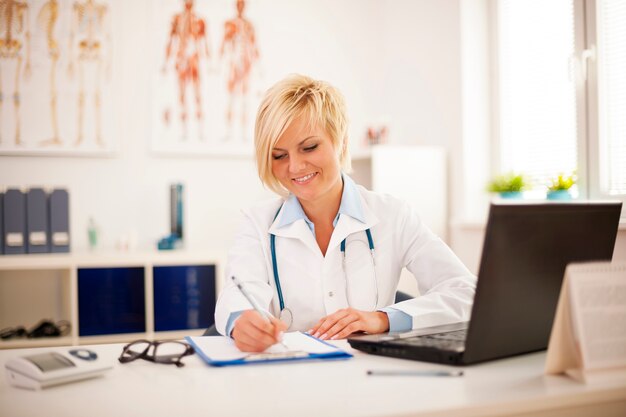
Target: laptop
526	249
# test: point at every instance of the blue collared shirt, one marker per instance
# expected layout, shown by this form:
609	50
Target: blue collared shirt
350	205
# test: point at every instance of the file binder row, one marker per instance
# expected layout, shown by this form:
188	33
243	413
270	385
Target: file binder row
34	221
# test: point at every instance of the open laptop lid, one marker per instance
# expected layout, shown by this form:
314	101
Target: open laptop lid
526	249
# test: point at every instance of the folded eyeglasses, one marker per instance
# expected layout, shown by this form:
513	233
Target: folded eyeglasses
166	352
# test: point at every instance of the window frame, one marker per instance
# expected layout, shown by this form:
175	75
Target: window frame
586	84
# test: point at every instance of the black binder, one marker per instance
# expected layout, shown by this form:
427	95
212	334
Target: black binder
14	222
37	221
59	220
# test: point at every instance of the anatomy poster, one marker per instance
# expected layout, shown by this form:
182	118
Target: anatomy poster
55	72
206	85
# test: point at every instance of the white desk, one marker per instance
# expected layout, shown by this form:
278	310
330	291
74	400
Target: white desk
506	387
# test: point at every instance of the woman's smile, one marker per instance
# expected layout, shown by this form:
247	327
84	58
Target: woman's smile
305	179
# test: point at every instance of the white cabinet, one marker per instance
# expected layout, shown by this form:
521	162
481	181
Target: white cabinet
113	297
417	174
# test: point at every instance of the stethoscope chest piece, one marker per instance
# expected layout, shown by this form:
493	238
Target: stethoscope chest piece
286	317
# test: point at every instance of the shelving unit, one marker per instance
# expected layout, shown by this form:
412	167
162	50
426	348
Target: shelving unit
116	305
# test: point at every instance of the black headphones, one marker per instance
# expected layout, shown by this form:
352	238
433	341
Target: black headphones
45	328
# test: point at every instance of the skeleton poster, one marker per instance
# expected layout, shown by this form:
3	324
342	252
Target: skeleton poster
55	70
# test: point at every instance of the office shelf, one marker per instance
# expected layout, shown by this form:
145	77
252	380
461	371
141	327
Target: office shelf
115	305
39	342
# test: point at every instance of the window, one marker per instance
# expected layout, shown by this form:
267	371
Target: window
561	99
537	95
611	84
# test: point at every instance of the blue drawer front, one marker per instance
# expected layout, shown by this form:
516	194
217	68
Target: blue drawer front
111	301
184	297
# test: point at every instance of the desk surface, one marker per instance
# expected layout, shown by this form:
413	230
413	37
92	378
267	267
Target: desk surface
341	388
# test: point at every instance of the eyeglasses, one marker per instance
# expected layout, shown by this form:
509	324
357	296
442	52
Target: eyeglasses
167	352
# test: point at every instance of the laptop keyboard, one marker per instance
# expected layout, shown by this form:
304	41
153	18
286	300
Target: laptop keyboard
447	341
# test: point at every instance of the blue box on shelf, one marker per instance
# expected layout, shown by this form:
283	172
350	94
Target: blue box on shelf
111	301
184	297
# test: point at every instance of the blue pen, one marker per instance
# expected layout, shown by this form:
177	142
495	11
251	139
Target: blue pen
252	301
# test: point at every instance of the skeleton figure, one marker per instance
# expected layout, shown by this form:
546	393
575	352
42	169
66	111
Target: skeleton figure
188	43
47	18
14	34
240	51
89	20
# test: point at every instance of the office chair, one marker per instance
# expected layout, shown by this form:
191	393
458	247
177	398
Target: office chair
400	296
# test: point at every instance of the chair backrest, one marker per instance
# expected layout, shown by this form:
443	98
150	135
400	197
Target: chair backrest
402	296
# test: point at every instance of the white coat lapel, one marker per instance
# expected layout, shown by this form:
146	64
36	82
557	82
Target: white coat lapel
296	230
348	225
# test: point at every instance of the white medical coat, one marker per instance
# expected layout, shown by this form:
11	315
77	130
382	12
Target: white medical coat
314	285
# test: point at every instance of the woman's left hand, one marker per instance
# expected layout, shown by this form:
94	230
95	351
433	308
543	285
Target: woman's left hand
343	323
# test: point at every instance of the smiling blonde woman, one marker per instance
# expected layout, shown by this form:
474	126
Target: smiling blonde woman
326	255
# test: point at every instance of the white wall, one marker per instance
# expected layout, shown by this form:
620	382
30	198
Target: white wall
421	91
476	153
393	59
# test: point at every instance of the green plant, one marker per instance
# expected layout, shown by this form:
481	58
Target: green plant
508	183
562	182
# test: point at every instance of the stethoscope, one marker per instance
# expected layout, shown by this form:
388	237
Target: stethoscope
286	315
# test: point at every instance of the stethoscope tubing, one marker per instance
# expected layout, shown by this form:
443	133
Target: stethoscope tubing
342	247
275	268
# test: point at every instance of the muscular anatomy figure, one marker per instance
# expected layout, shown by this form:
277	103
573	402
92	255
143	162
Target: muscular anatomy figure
188	44
240	51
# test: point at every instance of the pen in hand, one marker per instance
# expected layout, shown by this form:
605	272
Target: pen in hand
407	372
254	304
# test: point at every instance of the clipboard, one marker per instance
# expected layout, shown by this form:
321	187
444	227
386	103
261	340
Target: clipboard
221	350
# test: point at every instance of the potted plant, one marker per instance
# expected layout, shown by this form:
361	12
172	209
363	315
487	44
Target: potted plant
509	185
560	187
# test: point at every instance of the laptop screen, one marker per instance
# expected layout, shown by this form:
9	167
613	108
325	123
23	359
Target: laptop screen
526	249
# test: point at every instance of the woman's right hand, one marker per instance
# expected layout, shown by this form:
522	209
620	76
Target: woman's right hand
253	333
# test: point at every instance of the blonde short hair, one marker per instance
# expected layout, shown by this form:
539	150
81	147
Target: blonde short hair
288	99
